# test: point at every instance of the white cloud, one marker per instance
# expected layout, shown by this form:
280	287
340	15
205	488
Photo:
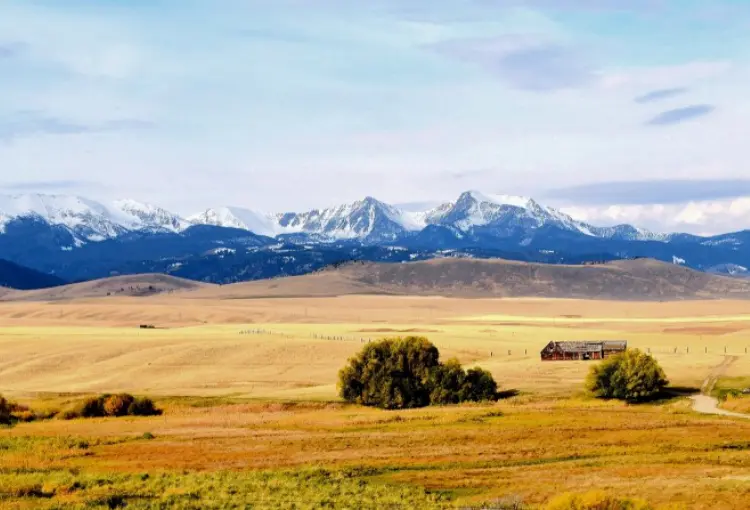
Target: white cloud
699	217
297	104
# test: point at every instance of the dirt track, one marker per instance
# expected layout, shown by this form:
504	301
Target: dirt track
707	404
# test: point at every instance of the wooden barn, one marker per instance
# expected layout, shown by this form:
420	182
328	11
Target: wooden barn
569	351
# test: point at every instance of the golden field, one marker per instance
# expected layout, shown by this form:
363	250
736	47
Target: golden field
248	388
295	347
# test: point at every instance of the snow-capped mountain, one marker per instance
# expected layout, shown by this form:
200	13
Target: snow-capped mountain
88	220
505	215
367	219
236	217
628	233
142	216
374	221
78	238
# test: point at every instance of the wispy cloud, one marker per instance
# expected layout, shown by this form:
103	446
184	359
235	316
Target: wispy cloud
661	94
522	63
47	186
26	124
461	175
667	191
679	115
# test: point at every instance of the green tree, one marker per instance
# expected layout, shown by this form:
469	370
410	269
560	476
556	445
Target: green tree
631	376
401	373
447	382
391	374
478	386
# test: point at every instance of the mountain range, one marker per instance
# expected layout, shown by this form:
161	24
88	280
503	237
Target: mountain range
78	239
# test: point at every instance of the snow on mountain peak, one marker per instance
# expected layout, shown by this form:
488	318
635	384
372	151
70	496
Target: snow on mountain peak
139	215
367	219
86	219
511	200
236	217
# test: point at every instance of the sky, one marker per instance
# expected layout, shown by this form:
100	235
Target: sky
613	110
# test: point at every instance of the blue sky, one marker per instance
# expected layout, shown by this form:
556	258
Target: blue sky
304	103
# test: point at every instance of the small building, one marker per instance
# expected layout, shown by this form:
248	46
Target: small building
570	351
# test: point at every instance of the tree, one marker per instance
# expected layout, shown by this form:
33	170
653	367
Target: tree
391	374
447	382
399	373
478	386
631	376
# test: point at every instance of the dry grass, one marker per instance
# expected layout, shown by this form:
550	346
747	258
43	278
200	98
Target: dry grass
51	353
297	357
662	453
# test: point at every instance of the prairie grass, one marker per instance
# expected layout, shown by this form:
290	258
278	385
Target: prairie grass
253	420
315	455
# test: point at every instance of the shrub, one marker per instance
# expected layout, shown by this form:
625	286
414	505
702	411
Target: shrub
117	405
595	501
122	404
399	373
143	407
631	376
5	408
91	407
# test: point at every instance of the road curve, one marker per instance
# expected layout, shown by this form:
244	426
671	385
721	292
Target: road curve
710	405
705	403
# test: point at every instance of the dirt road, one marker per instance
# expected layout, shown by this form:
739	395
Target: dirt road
705	403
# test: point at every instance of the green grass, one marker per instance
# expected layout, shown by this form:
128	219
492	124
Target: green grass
301	489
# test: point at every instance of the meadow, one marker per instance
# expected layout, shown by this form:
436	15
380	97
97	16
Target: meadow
252	415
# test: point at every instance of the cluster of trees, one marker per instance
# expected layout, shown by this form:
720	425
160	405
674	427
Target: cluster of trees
401	373
631	376
122	404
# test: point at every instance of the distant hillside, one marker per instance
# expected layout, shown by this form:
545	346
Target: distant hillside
134	285
641	279
14	276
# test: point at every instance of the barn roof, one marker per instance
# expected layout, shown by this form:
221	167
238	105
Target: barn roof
578	346
615	344
587	346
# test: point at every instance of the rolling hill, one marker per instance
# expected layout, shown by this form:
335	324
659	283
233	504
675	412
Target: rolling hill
134	286
641	279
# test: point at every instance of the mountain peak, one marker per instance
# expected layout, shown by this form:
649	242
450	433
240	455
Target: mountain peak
510	200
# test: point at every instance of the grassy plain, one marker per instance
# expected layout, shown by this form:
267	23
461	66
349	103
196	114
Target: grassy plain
248	387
